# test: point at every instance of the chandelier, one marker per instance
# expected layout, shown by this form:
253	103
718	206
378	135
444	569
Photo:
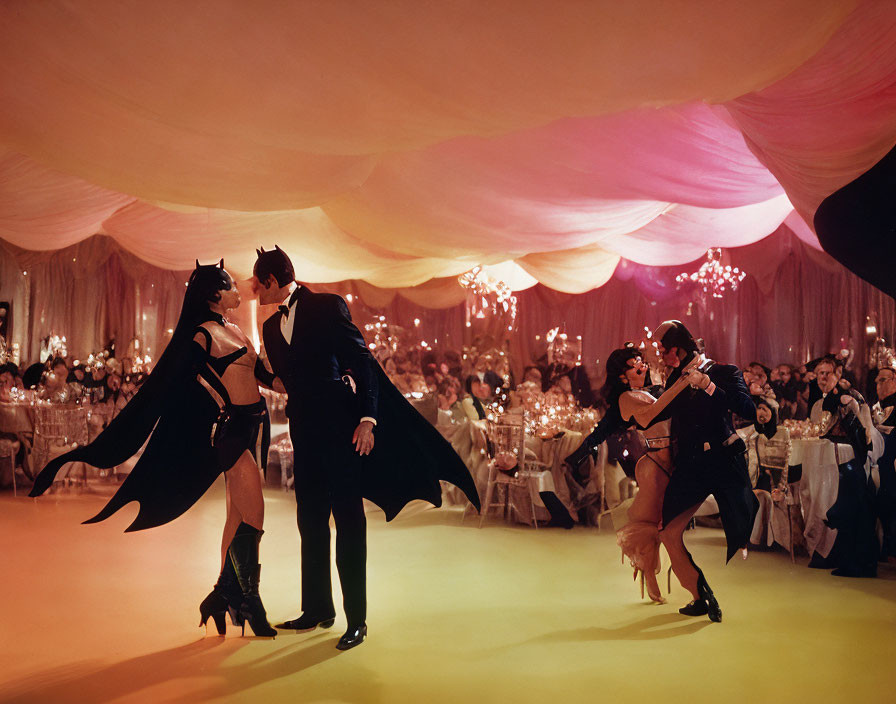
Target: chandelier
486	295
712	277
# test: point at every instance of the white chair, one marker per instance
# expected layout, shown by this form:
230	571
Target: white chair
8	450
506	448
58	429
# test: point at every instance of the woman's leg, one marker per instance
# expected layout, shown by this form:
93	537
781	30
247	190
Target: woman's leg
245	499
672	536
234	518
647	507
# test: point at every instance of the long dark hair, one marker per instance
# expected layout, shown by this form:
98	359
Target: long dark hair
617	365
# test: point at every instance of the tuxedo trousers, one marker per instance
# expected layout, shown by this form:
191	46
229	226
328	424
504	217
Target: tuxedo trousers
326	472
723	473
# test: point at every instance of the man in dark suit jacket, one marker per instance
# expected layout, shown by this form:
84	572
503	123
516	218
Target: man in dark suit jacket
338	395
709	458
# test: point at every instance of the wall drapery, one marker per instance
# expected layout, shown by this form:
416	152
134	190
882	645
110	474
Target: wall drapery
796	303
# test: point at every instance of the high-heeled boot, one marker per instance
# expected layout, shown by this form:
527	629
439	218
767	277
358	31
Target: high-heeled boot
243	555
225	597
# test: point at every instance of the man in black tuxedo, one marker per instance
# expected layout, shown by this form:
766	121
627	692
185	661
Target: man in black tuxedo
338	396
709	458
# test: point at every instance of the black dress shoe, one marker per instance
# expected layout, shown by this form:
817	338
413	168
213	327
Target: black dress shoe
352	637
870	573
696	608
713	610
307	622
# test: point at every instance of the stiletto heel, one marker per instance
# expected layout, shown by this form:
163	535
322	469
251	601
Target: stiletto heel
669	580
225	597
642	584
219	622
213	606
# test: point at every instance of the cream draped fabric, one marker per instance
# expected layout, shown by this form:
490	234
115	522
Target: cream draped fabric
401	142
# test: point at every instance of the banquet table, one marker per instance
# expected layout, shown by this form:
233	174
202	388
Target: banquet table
818	489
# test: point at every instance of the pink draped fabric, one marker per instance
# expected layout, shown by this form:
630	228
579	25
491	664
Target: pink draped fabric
401	142
834	117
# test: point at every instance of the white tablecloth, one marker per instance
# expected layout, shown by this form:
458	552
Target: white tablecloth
818	490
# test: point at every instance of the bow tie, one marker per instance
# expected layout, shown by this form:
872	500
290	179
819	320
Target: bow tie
292	299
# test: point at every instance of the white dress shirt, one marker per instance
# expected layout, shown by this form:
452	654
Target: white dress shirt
287	324
288	321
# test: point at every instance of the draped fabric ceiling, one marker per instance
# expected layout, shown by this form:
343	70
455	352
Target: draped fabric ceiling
403	141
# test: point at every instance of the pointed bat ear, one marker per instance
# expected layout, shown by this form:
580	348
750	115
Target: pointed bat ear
197	263
221	265
258	251
277	247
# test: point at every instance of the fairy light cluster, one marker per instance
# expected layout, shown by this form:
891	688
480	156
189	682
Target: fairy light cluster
382	336
57	346
487	296
714	278
547	417
562	347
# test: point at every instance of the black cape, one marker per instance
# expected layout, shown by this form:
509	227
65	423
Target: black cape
176	414
409	456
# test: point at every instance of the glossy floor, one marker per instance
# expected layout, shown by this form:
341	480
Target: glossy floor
457	614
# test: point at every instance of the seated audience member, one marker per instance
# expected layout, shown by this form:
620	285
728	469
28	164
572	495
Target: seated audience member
885	419
769	449
560	393
8	380
78	379
564	365
785	385
477	393
452	364
54	386
112	395
533	374
450	410
33	374
849	425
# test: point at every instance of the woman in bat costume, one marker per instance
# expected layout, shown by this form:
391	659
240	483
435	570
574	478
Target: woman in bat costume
202	413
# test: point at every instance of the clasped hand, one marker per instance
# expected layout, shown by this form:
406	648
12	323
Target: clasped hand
696	378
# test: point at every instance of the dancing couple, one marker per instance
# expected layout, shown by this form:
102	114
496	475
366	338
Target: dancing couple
354	436
692	451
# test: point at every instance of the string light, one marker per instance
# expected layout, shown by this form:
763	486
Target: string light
712	277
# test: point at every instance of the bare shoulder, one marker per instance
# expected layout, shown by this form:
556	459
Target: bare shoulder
204	334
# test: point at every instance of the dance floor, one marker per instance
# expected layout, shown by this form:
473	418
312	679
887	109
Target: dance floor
457	614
